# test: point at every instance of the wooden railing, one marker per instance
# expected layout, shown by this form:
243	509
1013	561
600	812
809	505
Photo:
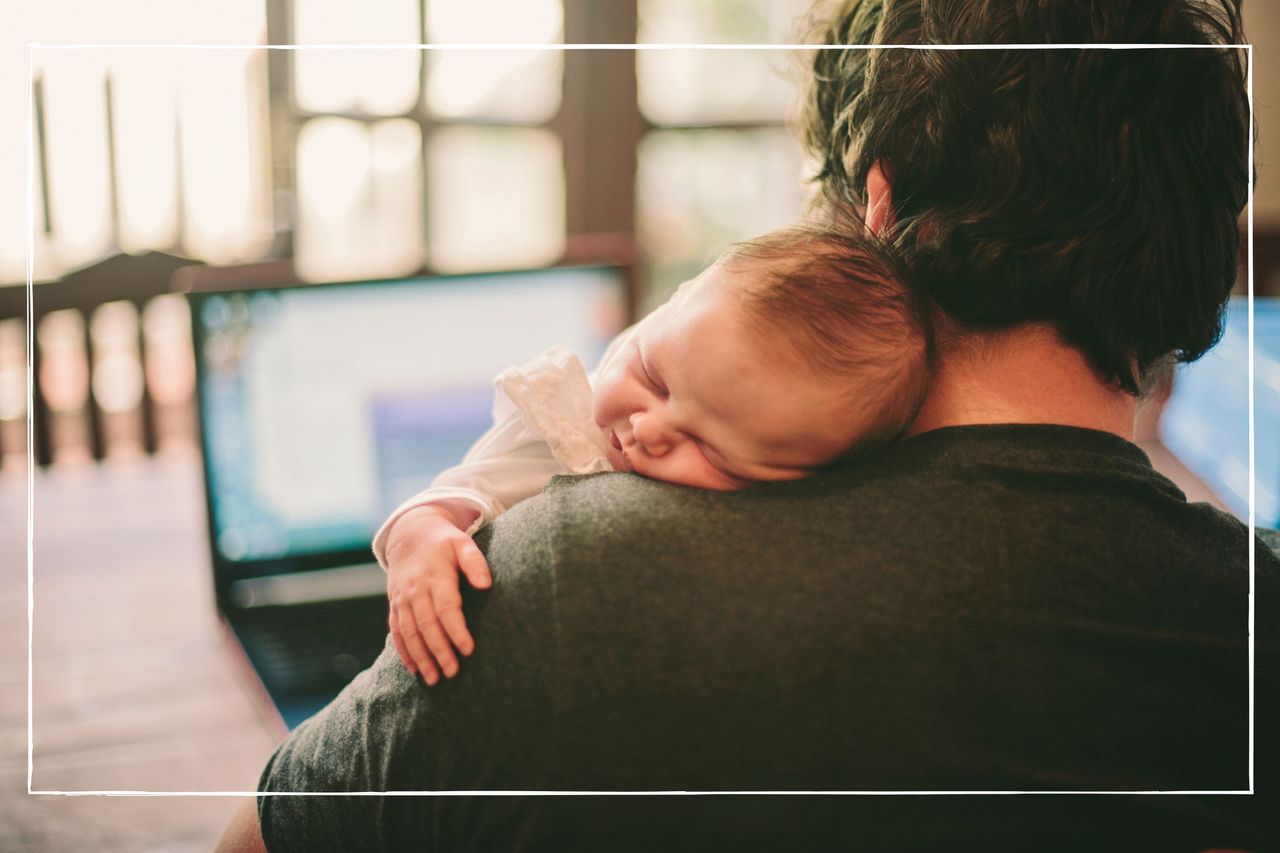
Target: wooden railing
112	363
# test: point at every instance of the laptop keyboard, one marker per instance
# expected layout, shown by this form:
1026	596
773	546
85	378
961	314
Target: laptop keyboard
307	647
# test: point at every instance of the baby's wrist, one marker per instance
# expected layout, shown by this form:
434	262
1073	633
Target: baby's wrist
432	511
405	531
428	517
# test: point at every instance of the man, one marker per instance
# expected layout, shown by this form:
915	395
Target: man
1011	599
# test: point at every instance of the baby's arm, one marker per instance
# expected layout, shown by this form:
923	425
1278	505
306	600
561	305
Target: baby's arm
426	542
425	605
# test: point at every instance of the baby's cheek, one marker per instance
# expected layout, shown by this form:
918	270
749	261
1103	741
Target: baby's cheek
604	400
687	466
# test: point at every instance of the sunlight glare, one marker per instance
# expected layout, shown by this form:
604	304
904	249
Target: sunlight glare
145	103
359	199
76	142
514	85
371	82
223	137
496	200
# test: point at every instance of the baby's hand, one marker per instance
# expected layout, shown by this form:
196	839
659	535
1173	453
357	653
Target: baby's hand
425	552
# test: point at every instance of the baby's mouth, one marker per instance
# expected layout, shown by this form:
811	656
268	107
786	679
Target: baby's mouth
624	461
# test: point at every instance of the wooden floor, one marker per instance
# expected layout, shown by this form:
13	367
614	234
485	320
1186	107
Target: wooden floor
134	686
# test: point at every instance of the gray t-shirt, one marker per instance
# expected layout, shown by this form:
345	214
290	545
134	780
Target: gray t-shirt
1001	608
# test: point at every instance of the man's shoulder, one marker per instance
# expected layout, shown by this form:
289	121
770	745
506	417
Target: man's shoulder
600	513
633	524
935	510
614	493
613	503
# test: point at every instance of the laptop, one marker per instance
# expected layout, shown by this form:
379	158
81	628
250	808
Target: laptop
1206	420
321	408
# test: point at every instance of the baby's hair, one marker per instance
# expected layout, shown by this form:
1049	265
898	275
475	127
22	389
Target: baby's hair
845	306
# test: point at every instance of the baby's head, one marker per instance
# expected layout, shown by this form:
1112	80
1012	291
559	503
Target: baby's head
794	350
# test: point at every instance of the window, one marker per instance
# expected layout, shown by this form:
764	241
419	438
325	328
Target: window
718	164
364	163
371	162
442	156
140	149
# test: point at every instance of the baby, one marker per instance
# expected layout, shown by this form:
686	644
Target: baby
791	352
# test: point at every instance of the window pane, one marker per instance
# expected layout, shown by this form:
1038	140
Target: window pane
223	132
14	221
76	144
359	199
87	221
707	86
497	85
146	147
699	190
495	198
24	23
375	82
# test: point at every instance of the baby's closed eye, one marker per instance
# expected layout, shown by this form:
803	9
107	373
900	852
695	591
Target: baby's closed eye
651	377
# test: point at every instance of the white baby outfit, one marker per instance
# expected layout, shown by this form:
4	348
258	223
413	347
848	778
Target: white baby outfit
542	426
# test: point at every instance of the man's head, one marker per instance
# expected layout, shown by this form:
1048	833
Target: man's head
1096	190
793	350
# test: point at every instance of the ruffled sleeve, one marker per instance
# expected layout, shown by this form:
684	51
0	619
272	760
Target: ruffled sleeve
553	396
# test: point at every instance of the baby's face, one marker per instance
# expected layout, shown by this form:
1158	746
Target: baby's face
692	396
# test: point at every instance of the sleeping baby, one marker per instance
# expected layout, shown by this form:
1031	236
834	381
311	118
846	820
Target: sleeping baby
792	352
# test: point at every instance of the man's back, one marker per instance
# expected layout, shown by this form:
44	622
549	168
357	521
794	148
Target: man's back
979	608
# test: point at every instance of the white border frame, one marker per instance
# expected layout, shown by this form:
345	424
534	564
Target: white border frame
31	459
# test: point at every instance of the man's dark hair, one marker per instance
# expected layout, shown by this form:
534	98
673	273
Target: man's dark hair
1094	189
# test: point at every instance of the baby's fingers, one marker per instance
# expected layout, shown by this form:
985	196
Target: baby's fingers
411	637
424	611
448	604
473	564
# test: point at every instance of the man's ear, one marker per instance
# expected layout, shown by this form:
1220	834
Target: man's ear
879	199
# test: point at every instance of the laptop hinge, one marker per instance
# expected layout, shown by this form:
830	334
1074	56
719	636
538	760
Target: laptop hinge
310	587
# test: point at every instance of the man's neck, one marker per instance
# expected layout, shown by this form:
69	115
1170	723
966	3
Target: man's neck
1026	375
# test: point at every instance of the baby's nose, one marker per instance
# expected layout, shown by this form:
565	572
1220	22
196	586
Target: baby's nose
650	434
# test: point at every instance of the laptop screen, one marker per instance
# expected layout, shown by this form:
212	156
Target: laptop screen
322	407
1206	421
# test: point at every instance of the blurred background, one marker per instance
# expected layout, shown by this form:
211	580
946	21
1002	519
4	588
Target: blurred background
363	164
337	165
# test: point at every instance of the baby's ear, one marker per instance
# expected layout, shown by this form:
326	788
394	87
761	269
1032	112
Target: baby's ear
879	199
